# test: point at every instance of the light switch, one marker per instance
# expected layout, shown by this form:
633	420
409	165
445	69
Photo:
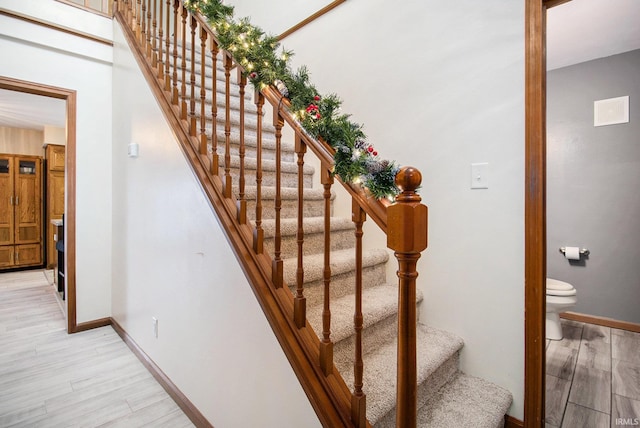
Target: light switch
133	150
480	175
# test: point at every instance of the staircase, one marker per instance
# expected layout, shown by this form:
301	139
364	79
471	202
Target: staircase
446	397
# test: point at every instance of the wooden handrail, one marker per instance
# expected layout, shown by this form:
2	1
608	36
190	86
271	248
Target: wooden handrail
222	173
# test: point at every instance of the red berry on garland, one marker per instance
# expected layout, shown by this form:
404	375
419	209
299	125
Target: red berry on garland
253	75
375	153
318	115
370	149
317	98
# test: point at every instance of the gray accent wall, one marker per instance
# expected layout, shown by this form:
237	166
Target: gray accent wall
593	186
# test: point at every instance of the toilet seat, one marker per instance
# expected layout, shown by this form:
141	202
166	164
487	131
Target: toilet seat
559	288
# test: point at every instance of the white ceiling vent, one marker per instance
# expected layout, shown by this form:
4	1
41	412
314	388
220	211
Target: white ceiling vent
611	111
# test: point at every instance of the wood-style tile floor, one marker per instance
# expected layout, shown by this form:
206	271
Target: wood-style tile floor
51	379
593	378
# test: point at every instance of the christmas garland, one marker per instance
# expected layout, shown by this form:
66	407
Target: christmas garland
356	161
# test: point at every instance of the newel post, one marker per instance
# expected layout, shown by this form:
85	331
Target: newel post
407	236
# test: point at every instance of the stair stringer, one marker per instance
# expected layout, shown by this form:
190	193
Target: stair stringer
328	395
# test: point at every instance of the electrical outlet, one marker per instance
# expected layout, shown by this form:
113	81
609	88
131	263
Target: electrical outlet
155	326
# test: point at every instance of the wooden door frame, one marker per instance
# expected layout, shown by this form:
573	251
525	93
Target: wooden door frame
535	208
69	96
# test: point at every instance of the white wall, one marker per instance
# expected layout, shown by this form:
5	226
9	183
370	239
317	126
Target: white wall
41	55
55	135
440	85
171	261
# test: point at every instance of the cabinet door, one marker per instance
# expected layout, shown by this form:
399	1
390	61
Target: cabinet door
28	254
55	157
6	256
6	200
56	194
28	216
55	210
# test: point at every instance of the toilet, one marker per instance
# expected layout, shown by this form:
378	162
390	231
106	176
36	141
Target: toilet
561	296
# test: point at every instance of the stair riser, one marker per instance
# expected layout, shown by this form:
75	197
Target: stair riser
313	243
234	98
287	179
289	209
341	284
250	151
426	389
372	336
250	121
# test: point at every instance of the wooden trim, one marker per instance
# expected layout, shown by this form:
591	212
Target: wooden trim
54	26
311	18
90	325
70	214
181	400
551	3
603	321
511	422
70	177
535	213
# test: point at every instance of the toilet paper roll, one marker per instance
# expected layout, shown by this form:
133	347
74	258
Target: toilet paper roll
572	253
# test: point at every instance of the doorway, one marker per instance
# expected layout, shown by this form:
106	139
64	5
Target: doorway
69	96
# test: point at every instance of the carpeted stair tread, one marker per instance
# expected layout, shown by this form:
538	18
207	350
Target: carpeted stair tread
250	140
434	347
267	165
289	226
378	303
342	261
466	401
286	193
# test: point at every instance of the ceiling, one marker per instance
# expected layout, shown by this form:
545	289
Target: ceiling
577	31
582	30
22	110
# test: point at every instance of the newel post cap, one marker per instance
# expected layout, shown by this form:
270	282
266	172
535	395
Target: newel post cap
407	217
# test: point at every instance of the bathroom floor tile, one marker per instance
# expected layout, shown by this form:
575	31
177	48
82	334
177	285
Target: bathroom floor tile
591	388
557	391
561	361
572	334
625	347
583	417
626	379
624	408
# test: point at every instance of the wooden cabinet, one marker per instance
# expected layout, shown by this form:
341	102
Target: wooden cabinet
20	211
54	156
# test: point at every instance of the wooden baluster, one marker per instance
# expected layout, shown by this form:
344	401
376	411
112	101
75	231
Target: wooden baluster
148	35
203	90
277	264
167	45
300	302
358	398
326	345
407	236
242	202
228	181
143	25
192	99
258	233
183	66
215	159
154	36
138	25
160	42
174	98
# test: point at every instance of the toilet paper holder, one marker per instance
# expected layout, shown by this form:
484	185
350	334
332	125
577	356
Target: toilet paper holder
583	251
